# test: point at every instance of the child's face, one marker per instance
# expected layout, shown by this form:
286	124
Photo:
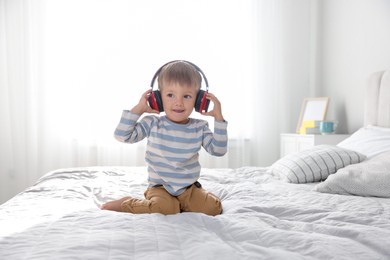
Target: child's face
178	101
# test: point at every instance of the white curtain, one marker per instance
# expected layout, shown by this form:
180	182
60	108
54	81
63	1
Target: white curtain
69	67
286	64
22	132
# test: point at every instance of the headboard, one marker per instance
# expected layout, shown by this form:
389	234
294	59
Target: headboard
377	107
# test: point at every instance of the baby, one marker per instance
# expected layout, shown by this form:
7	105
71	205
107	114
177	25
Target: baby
174	142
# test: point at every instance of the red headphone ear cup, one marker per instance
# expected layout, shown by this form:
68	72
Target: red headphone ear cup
155	101
201	103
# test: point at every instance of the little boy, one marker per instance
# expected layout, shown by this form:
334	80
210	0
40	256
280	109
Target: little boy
174	141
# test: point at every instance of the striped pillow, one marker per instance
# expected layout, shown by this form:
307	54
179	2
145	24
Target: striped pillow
314	164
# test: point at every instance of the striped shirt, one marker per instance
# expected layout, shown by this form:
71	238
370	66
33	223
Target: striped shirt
172	151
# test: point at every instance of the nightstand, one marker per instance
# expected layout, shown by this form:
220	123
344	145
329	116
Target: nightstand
292	143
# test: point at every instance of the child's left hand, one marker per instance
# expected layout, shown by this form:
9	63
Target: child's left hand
217	110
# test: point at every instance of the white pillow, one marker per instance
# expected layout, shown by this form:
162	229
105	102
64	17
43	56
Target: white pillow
314	164
369	178
369	140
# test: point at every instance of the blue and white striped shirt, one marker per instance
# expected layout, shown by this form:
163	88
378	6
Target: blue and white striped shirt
172	149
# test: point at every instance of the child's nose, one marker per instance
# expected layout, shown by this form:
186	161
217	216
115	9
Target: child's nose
179	101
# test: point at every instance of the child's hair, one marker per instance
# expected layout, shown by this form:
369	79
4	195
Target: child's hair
179	72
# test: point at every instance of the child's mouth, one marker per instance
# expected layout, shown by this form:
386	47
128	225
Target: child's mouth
178	110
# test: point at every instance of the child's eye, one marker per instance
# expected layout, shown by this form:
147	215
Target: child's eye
187	96
170	95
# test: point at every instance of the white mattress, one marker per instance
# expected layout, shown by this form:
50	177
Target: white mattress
263	218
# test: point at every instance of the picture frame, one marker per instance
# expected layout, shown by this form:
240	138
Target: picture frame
313	109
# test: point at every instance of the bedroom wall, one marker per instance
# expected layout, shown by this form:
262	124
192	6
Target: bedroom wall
353	42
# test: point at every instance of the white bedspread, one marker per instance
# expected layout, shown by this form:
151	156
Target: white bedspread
59	218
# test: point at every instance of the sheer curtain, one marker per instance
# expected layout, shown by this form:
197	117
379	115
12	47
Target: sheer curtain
286	64
69	68
22	133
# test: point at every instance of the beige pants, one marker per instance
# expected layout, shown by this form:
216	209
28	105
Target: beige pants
158	200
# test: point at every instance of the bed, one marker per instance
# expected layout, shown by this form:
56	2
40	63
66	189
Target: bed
290	210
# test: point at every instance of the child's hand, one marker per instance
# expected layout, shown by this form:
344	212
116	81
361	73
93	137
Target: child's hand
143	106
217	110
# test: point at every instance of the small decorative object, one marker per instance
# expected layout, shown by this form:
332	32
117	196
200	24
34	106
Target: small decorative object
313	109
310	127
328	127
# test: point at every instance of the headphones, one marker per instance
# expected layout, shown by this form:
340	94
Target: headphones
201	102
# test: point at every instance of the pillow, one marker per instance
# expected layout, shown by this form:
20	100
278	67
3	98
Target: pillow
369	140
369	178
314	164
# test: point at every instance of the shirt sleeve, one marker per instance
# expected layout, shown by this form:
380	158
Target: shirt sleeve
216	143
131	131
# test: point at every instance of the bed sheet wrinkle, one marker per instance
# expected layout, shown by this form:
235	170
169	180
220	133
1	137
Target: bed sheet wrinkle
215	243
244	243
180	245
158	246
38	238
312	243
110	243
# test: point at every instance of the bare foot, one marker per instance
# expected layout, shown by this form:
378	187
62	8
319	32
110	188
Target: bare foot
114	205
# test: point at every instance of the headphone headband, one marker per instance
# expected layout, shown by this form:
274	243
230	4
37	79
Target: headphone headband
192	64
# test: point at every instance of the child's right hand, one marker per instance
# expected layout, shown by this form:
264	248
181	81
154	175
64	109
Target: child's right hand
143	106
